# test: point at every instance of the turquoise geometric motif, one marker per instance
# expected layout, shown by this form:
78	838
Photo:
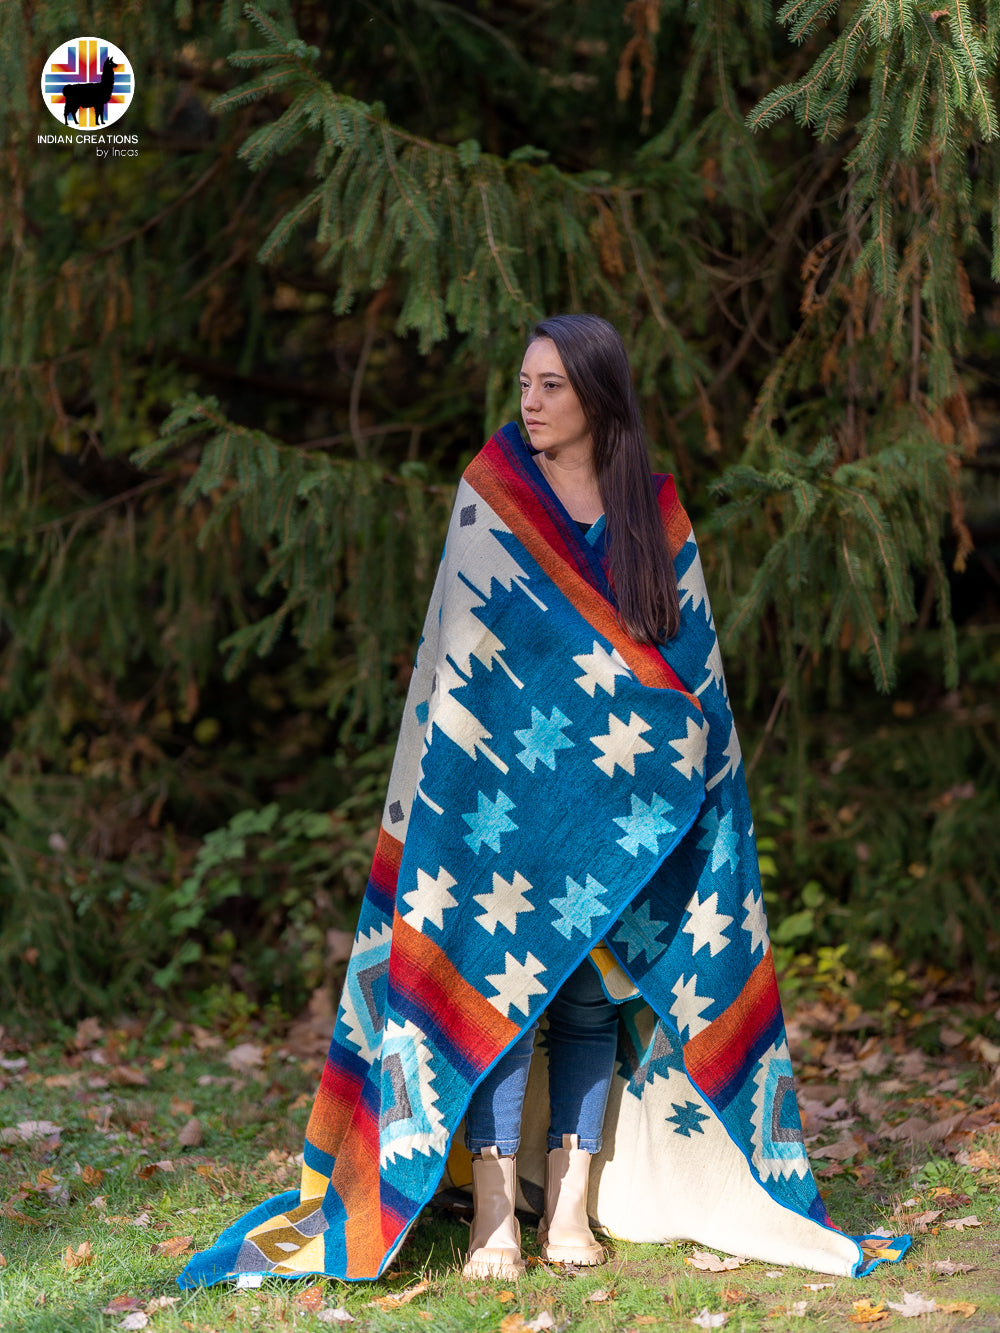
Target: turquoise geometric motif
489	821
638	933
645	825
578	908
687	1118
543	738
721	839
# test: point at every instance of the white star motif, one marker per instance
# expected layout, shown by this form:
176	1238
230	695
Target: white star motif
516	983
689	1006
430	899
502	904
621	744
755	922
733	755
716	675
600	668
691	584
706	924
691	749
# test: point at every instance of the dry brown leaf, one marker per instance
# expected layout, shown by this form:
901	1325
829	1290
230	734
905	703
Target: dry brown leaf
339	1315
948	1268
734	1295
961	1223
979	1160
601	1295
866	1313
136	1320
88	1033
150	1169
710	1263
246	1057
122	1304
3	1261
841	1150
921	1221
504	1297
311	1299
27	1130
91	1175
180	1106
513	1323
958	1307
646	1319
944	1198
174	1247
190	1135
912	1305
161	1303
816	1286
401	1298
79	1257
128	1076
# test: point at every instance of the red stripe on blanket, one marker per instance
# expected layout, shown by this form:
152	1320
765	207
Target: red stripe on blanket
419	968
492	477
385	866
719	1051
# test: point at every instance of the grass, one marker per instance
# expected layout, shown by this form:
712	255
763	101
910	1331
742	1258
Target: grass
124	1101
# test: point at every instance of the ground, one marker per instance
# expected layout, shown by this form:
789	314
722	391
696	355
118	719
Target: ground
126	1146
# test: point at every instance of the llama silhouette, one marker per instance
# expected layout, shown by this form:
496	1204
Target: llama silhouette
97	95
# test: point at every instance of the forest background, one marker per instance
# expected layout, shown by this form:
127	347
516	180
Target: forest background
241	373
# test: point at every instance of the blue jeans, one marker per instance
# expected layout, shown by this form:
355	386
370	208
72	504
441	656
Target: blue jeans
582	1039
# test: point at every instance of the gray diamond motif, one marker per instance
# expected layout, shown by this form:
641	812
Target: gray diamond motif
395	812
468	516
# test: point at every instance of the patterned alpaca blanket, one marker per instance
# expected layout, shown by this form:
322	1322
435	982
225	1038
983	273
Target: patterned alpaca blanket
557	790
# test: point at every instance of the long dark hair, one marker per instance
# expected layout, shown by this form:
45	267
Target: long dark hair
640	568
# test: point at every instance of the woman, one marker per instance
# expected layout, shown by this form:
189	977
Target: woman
566	833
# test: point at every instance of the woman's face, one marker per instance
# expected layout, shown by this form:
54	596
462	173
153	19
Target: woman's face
550	408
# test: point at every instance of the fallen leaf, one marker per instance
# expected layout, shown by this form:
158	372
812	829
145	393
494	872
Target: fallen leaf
646	1319
3	1261
161	1303
128	1076
948	1268
179	1106
140	1220
88	1033
866	1313
99	1202
190	1134
734	1295
704	1319
245	1058
913	1304
980	1160
512	1323
137	1319
310	1299
27	1130
775	1272
542	1320
505	1297
177	1245
600	1295
79	1257
335	1316
921	1221
150	1169
946	1199
816	1286
710	1263
960	1223
797	1309
402	1298
91	1175
123	1304
958	1307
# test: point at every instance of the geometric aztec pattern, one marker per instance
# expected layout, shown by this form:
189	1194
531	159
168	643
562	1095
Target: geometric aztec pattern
556	786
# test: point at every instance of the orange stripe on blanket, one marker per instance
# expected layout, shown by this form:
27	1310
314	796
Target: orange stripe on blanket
642	659
732	1033
421	970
